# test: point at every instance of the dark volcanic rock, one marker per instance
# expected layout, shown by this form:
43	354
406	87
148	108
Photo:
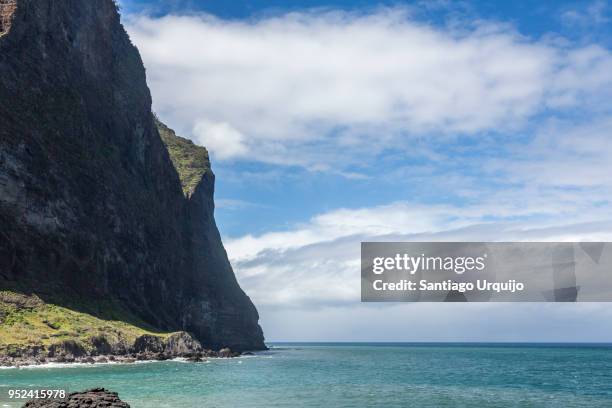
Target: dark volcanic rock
67	348
101	345
95	398
226	353
148	344
181	343
91	206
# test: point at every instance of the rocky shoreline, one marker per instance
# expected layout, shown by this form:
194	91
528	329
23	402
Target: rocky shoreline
94	398
100	351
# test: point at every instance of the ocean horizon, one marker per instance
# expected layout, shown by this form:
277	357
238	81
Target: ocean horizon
353	374
441	343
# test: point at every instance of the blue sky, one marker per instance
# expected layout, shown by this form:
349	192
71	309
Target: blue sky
530	17
333	122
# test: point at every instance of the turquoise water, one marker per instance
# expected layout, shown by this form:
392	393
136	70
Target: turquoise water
355	375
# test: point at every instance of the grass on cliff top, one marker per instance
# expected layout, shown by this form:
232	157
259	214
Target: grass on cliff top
28	321
190	161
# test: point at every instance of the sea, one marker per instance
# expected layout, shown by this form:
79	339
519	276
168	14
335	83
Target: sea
350	375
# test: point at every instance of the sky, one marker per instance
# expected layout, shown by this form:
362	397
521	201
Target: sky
335	122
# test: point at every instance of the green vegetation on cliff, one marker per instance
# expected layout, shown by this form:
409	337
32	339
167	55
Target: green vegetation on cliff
27	321
190	160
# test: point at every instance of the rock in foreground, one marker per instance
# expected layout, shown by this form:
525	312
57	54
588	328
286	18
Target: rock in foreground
95	398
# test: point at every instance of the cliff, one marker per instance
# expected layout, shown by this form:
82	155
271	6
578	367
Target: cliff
97	212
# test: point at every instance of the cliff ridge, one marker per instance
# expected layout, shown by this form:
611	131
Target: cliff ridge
93	208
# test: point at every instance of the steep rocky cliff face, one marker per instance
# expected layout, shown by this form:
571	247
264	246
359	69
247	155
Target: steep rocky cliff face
92	207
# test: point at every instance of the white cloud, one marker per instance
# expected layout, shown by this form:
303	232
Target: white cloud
298	88
592	13
306	281
221	138
393	218
317	263
563	155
